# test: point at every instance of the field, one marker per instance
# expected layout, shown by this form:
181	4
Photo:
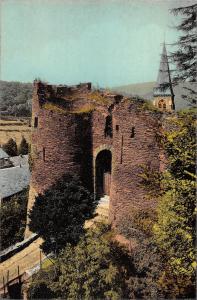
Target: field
14	128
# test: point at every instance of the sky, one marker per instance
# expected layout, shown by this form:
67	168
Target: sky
107	42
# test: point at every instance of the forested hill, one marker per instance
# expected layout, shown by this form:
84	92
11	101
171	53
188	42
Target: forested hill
15	98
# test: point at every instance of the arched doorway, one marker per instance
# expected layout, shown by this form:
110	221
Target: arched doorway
103	173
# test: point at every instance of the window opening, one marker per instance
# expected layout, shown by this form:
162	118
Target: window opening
132	132
108	127
35	122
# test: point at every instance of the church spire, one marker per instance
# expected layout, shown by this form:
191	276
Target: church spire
163	87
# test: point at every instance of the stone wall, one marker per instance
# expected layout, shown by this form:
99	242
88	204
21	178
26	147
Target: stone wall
134	146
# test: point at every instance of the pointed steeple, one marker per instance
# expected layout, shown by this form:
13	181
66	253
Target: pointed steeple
164	84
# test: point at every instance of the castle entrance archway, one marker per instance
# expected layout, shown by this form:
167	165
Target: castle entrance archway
103	173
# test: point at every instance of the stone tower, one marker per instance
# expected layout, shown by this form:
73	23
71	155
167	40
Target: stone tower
103	138
163	92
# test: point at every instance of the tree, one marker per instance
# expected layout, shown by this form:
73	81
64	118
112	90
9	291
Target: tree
185	57
23	147
13	219
10	147
95	268
175	229
58	216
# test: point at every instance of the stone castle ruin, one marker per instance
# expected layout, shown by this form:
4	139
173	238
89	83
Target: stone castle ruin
103	138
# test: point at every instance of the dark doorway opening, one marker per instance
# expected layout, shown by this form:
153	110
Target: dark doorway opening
103	173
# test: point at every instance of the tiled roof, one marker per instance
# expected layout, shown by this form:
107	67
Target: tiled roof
3	154
13	180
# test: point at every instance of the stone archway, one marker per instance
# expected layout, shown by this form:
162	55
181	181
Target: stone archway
102	171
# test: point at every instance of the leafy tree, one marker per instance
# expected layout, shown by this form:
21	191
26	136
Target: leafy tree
96	268
10	147
185	56
40	284
23	147
58	216
13	219
175	229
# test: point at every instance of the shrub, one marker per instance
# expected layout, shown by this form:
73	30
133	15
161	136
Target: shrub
58	216
13	219
10	147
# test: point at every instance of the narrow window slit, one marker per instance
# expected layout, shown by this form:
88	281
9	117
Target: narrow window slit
132	132
35	122
43	153
108	126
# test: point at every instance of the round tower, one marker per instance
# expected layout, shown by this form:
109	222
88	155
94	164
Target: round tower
61	139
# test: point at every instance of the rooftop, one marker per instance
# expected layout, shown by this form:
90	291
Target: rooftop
13	180
163	85
3	154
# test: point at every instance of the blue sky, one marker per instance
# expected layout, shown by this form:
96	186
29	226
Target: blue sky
107	42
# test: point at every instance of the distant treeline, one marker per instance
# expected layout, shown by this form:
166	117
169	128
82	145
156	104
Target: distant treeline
15	98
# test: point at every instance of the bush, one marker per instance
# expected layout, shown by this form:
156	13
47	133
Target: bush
59	215
96	268
10	147
13	219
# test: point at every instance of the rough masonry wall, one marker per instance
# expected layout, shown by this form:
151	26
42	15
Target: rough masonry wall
134	145
61	143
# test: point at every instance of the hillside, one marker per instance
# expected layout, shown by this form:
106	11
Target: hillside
15	98
145	90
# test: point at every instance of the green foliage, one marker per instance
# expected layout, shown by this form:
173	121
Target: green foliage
23	147
148	105
15	98
39	287
10	147
96	268
175	229
13	219
180	146
59	215
185	55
